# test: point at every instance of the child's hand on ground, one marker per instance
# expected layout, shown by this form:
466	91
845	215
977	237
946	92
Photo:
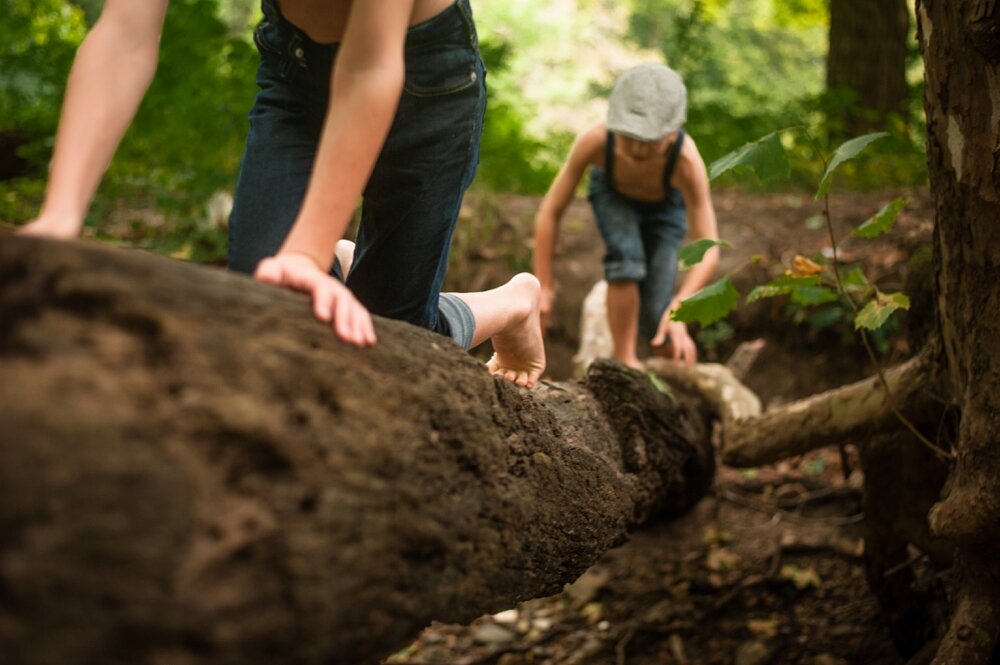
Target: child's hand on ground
333	302
673	336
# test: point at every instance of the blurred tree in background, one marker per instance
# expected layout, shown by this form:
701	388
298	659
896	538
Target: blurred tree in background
866	63
751	67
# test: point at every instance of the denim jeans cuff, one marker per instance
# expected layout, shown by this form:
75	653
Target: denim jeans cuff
624	271
458	315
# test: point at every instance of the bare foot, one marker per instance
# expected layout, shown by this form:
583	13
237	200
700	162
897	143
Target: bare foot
632	362
520	352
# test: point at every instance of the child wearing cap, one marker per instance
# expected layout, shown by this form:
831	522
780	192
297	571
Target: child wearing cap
648	183
381	100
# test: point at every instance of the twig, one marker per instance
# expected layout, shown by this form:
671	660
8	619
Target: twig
868	348
816	495
552	385
781	513
727	597
622	645
902	566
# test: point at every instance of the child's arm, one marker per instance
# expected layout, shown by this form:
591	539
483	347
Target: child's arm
365	90
111	72
585	149
692	179
701	221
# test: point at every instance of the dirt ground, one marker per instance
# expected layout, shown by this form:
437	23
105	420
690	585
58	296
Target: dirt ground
768	568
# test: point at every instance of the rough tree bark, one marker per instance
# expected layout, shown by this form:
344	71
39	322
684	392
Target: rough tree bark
193	470
961	46
959	371
867	56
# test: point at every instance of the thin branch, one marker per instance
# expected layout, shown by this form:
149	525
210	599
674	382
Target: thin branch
867	344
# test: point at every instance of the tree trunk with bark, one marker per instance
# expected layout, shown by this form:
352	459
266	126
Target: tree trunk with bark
961	46
194	470
948	506
867	59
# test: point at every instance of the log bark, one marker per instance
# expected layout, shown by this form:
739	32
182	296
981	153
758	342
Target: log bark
194	470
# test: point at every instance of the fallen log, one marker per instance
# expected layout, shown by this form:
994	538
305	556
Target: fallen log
194	470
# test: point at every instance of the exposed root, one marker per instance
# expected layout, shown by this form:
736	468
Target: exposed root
975	625
731	399
831	417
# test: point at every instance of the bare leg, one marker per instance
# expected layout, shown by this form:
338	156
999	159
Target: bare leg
623	320
509	316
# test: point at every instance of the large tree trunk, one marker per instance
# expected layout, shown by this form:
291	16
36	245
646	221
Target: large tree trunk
193	470
867	58
959	370
961	45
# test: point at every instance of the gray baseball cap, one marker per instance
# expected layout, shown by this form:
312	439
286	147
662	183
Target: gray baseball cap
648	102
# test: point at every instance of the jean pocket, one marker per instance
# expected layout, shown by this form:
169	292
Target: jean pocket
447	71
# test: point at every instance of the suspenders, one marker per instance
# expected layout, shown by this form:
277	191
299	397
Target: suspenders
668	169
675	151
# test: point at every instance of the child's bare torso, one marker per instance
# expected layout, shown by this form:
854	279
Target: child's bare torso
638	170
325	20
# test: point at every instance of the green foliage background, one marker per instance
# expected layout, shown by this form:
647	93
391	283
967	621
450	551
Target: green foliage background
751	66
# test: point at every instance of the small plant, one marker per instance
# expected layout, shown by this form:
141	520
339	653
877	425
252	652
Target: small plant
806	282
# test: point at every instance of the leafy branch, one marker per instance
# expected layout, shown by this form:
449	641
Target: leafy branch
806	282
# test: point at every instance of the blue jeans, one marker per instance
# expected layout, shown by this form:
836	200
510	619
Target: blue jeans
641	242
411	201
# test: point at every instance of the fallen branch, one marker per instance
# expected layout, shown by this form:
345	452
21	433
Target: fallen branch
839	415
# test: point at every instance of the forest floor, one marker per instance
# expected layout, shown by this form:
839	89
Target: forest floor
768	568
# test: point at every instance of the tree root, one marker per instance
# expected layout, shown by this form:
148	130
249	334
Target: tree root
716	384
974	633
970	510
834	416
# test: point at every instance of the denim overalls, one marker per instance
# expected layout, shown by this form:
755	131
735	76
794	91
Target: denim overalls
411	201
641	239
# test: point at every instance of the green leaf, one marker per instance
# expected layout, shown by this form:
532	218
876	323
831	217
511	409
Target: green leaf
807	296
765	156
694	252
825	318
710	304
781	286
802	578
848	150
661	386
878	310
855	280
881	222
